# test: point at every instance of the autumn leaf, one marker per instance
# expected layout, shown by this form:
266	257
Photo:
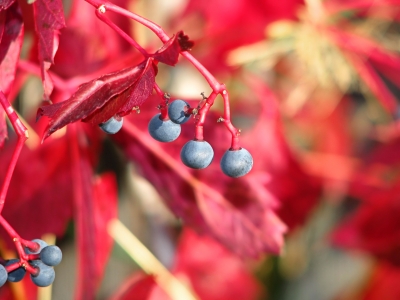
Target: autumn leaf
86	103
49	19
11	33
4	4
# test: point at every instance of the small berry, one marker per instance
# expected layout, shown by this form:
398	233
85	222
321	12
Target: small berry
41	243
16	275
197	154
51	255
177	111
45	276
163	131
3	275
236	163
112	126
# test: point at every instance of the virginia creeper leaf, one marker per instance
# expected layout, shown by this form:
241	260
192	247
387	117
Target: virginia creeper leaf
4	4
123	104
95	94
11	27
169	52
49	19
95	204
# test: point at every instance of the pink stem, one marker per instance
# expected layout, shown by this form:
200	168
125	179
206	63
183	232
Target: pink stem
163	106
122	33
22	133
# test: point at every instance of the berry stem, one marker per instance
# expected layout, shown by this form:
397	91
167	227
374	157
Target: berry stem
122	33
22	133
163	106
202	116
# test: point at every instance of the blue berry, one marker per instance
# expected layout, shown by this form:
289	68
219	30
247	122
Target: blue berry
45	276
177	111
3	275
112	126
236	163
51	255
41	243
197	154
163	131
17	274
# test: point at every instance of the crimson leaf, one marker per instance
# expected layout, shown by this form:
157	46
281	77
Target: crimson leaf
169	53
49	19
11	33
86	102
4	4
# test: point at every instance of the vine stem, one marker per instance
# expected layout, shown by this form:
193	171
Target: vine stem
217	88
22	133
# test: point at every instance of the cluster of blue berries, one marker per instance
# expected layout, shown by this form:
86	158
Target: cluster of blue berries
195	154
50	256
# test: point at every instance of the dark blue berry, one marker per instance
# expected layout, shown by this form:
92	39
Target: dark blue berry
51	255
16	275
163	131
3	275
177	111
197	154
236	163
45	276
112	126
41	243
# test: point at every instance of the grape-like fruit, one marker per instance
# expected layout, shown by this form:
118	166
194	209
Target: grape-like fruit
163	131
51	255
46	274
197	154
3	275
16	275
112	126
177	111
236	163
41	243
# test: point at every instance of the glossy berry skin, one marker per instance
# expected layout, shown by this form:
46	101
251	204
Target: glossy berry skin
16	275
176	111
41	243
46	274
3	275
51	255
197	154
112	126
236	163
163	131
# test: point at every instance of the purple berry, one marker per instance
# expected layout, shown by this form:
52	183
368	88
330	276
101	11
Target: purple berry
112	126
16	275
3	275
163	131
45	276
41	243
51	255
177	111
236	163
197	154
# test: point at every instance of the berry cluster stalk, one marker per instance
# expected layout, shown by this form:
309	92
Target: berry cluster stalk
217	88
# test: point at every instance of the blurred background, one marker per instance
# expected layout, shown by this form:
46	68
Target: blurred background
314	87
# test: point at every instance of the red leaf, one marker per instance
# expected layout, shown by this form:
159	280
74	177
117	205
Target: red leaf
11	34
85	103
384	284
4	4
137	287
169	53
122	104
49	19
214	272
95	205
